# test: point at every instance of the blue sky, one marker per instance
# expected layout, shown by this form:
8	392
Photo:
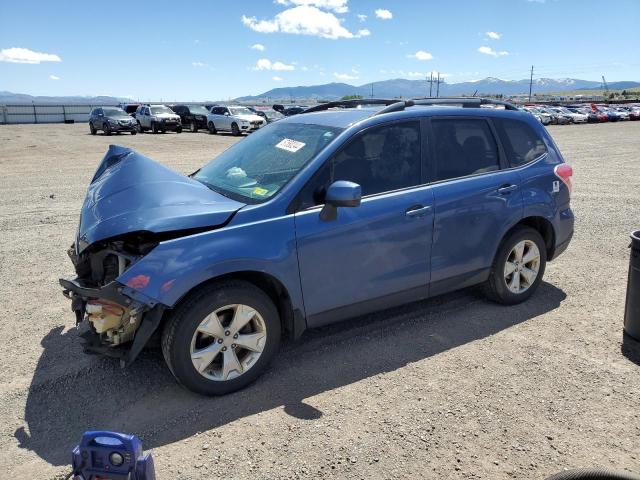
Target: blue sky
219	49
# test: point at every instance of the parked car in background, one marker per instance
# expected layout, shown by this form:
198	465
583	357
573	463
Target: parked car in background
130	108
591	116
111	120
289	110
604	110
233	118
280	232
193	117
157	118
575	117
543	118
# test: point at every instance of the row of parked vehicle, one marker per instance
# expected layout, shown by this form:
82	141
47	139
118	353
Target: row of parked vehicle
581	113
139	118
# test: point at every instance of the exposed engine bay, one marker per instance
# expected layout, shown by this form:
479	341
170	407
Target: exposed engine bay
115	323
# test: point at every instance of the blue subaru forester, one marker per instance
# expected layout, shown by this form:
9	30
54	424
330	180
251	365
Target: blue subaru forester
314	219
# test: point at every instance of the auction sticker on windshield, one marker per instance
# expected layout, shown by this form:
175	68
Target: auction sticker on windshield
290	145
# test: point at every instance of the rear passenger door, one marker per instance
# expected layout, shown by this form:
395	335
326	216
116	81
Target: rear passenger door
476	200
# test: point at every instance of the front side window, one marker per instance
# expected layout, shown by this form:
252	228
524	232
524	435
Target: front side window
381	159
261	164
520	141
240	111
114	112
463	147
198	110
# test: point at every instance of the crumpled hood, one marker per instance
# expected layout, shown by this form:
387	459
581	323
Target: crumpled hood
172	116
131	193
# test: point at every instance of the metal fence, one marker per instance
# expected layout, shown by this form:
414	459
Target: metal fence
44	113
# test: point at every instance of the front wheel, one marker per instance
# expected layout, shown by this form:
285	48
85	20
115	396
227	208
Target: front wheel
154	127
212	128
234	129
193	127
221	338
106	129
92	129
178	130
518	267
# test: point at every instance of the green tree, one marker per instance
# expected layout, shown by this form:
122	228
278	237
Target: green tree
352	97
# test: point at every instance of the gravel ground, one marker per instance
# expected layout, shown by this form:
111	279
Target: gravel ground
454	387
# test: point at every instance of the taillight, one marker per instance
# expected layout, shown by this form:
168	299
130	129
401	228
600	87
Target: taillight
565	173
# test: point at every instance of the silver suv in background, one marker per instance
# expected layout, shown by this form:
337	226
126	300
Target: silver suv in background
157	118
234	119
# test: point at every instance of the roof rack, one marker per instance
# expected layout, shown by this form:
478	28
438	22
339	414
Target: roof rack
350	103
395	105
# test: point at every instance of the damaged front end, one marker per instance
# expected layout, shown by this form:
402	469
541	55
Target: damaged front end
116	315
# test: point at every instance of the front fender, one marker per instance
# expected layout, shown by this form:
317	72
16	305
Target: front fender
176	266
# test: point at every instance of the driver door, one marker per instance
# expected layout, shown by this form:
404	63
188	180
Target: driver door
375	255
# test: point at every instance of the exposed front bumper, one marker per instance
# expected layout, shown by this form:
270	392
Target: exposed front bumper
79	294
123	128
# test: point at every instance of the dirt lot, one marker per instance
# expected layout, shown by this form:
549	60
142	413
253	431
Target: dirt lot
455	387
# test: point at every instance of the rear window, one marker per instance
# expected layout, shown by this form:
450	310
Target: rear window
521	143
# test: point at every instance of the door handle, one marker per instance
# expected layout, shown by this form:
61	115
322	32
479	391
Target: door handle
417	210
507	189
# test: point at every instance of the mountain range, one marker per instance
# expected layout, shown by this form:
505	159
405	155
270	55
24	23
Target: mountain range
394	88
419	88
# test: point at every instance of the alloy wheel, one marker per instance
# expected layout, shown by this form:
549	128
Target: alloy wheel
522	266
228	342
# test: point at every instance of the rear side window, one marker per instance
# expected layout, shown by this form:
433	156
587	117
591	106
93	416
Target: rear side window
463	147
521	143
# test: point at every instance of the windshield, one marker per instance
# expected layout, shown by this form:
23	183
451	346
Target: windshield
161	109
197	109
113	112
261	164
240	111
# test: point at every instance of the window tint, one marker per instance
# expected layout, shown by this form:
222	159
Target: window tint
463	147
381	159
520	141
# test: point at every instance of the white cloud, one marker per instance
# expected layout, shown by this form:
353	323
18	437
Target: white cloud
338	6
344	76
257	46
198	64
364	33
54	77
421	55
490	51
493	35
276	79
24	55
384	14
302	20
266	64
304	68
362	17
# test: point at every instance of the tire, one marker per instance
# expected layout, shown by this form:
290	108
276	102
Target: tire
180	335
193	127
163	130
235	130
92	129
133	132
106	129
154	127
140	129
179	130
212	128
502	287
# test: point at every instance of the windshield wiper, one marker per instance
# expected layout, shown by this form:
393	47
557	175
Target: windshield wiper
213	187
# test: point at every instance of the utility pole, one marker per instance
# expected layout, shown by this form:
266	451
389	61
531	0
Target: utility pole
530	82
430	84
438	86
371	89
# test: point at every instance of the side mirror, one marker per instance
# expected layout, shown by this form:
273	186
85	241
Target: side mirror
226	114
340	194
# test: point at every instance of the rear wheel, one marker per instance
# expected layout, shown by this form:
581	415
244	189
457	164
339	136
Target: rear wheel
154	127
518	267
221	338
212	128
133	132
234	129
179	130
